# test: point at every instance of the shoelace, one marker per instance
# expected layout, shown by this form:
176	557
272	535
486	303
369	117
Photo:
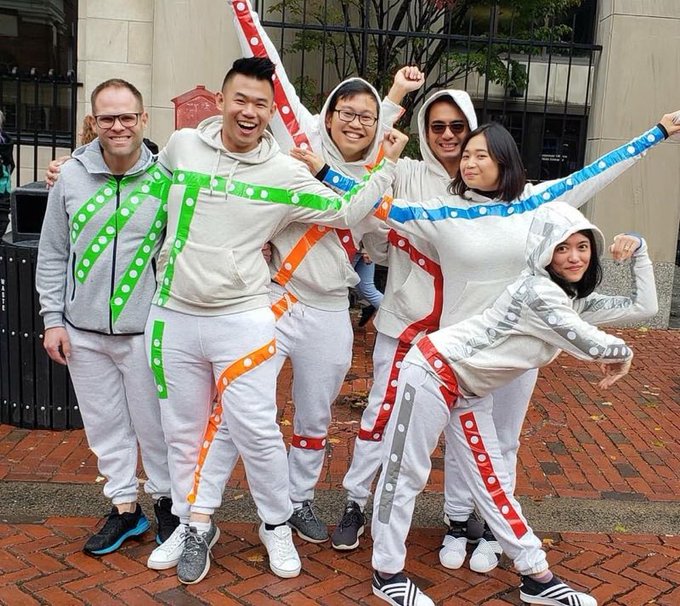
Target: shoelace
283	545
352	516
193	542
308	514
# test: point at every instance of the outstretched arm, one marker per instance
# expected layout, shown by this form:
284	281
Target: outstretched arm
292	122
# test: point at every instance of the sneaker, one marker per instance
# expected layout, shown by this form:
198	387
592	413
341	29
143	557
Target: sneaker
168	554
194	562
454	546
552	593
118	528
487	554
351	527
308	526
366	314
283	557
475	528
166	522
399	590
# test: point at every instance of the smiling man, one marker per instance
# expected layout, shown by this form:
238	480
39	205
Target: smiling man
103	225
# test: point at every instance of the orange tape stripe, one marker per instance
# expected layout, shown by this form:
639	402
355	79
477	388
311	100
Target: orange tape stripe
383	209
298	252
229	374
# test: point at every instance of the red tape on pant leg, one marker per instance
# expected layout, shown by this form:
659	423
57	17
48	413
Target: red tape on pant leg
308	443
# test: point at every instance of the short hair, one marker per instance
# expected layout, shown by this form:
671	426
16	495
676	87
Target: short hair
259	68
503	150
591	278
350	89
448	101
116	83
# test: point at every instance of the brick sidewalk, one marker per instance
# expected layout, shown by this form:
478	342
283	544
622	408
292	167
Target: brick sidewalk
577	442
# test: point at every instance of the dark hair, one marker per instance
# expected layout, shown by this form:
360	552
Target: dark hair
444	99
590	279
503	150
116	83
259	68
350	89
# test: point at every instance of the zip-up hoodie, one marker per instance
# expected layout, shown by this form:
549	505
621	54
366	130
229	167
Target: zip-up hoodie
480	241
220	215
410	293
98	244
534	319
322	279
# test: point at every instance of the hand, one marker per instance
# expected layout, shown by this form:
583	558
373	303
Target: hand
612	372
406	80
671	122
366	259
393	144
57	344
267	252
53	170
624	247
314	163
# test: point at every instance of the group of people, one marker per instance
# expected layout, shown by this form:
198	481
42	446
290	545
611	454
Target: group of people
156	262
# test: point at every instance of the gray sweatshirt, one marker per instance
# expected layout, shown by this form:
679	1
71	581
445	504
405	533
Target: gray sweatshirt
99	240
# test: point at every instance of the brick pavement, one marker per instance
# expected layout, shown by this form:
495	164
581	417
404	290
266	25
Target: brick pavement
577	442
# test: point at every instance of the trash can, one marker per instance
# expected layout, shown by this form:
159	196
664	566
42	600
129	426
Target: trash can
34	391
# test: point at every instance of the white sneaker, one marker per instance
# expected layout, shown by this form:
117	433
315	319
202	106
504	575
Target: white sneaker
167	554
453	551
284	560
486	556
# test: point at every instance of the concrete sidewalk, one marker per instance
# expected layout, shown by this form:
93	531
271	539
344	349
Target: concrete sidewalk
598	477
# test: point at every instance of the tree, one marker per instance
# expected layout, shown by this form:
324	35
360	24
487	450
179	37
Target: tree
447	39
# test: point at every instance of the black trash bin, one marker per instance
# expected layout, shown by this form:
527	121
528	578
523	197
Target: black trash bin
34	391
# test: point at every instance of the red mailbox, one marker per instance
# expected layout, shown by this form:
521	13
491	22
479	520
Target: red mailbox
193	106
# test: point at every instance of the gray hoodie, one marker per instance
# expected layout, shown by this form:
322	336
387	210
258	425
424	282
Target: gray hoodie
534	319
98	244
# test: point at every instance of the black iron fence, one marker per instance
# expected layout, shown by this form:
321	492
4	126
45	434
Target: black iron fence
533	75
40	112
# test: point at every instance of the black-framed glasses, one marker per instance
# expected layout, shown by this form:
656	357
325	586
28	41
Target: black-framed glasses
128	120
456	127
347	115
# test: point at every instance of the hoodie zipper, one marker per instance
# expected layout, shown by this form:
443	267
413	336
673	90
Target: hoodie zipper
119	181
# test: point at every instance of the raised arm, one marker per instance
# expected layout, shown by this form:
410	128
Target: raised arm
407	79
293	121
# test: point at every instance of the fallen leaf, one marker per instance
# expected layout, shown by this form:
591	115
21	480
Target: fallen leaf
238	497
258	557
598	417
620	528
285	422
606	404
99	479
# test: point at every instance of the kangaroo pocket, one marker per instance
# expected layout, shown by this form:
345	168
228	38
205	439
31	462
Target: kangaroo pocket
477	296
207	275
412	297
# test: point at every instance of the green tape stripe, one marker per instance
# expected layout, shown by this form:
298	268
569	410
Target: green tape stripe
186	214
139	263
157	186
250	191
359	185
156	359
91	207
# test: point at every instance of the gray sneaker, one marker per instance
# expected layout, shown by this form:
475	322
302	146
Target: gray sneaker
194	562
351	527
308	526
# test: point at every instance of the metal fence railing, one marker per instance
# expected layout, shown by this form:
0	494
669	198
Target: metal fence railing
40	111
534	77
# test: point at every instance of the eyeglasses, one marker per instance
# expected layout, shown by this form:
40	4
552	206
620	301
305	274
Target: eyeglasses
126	120
439	128
348	116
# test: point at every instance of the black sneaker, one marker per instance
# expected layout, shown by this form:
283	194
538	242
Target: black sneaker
487	553
307	524
475	528
118	528
351	527
399	590
366	314
166	522
553	593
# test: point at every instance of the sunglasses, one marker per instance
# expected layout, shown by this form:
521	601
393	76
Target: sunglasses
456	127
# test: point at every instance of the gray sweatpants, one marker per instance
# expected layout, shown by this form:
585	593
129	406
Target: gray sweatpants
119	406
419	417
189	355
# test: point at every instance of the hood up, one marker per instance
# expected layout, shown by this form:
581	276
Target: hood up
91	157
464	103
329	151
210	132
552	224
